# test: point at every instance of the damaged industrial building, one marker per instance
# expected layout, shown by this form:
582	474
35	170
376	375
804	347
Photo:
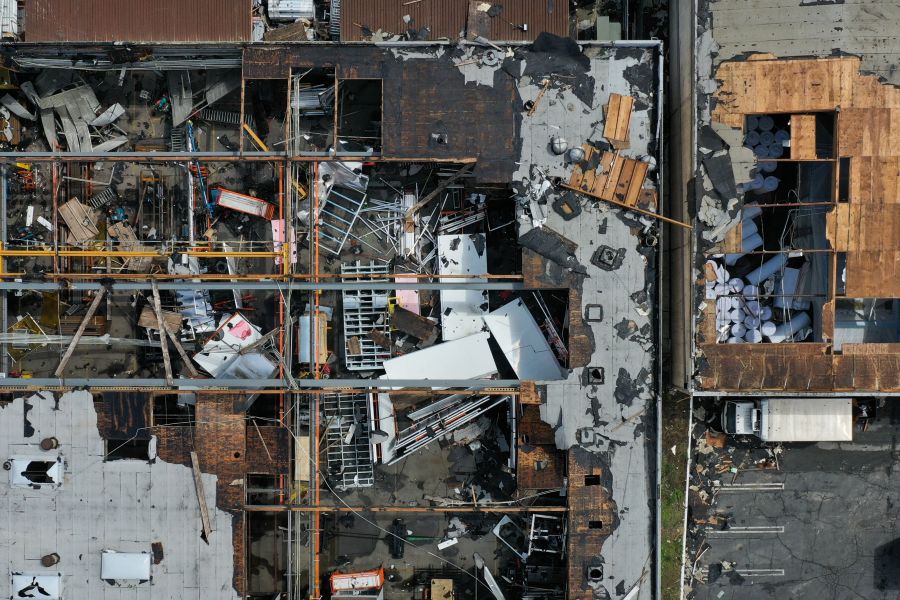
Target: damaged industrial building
789	341
329	300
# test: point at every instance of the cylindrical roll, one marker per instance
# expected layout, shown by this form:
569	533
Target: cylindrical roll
748	228
752	139
784	330
752	210
751	243
766	270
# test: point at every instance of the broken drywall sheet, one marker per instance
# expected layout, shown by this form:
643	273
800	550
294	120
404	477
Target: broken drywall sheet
522	342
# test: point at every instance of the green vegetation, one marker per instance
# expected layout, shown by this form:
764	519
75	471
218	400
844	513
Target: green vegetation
675	422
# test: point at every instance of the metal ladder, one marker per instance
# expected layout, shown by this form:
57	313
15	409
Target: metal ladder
336	218
177	141
103	198
224	117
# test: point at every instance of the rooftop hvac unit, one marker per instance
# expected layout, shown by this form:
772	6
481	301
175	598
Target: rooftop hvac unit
291	10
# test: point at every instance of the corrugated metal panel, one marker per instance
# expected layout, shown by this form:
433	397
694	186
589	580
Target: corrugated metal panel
137	20
447	18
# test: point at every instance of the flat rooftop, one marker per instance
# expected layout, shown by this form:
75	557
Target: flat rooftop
356	295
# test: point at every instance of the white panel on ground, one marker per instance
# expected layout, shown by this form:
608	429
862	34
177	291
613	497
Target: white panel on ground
461	310
466	358
522	342
125	565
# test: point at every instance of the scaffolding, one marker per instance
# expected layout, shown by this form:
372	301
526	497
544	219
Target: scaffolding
365	316
348	451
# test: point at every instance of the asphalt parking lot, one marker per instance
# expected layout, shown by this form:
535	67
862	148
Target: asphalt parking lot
816	521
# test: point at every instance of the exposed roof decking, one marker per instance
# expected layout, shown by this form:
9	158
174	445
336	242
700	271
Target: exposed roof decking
784	78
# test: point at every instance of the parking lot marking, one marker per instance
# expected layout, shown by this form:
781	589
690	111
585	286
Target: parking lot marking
760	572
704	572
748	529
751	487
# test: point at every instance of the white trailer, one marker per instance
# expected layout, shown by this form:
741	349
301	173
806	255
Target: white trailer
791	419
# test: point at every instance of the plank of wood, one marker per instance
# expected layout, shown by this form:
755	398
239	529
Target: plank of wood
603	172
415	325
609	188
634	208
79	219
803	137
618	119
623	123
171	319
624	180
611	115
201	497
637	183
184	357
84	323
163	343
440	188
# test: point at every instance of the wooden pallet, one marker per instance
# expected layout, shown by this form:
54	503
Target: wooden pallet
615	178
618	120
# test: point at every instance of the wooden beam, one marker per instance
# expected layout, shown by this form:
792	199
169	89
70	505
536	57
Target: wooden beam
418	205
405	509
623	205
201	497
84	323
259	342
163	343
189	365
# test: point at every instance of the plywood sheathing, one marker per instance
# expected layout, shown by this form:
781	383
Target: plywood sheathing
80	220
867	228
530	394
733	239
803	137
